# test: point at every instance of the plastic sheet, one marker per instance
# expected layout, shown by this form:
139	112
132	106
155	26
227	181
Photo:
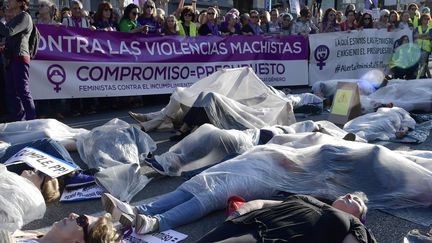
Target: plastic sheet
27	131
380	125
114	143
122	181
237	98
3	147
208	145
328	169
20	201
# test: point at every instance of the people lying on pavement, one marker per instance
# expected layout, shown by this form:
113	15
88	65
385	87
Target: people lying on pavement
310	163
74	228
209	145
298	218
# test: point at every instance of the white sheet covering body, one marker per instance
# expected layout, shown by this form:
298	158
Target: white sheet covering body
209	145
27	131
237	95
114	143
20	201
380	125
407	94
311	167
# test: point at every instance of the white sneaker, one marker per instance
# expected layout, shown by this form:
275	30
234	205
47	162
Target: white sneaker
115	207
145	224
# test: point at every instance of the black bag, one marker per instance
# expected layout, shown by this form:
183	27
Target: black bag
34	41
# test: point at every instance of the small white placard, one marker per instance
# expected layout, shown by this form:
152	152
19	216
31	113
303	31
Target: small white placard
42	162
295	6
85	193
160	237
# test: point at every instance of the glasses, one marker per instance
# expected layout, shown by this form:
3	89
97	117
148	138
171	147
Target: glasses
188	15
83	222
149	7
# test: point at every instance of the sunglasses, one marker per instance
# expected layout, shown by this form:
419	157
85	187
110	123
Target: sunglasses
83	222
188	15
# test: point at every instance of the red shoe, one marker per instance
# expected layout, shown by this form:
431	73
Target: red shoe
234	203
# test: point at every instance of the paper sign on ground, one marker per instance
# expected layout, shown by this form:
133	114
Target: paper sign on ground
161	237
80	194
42	162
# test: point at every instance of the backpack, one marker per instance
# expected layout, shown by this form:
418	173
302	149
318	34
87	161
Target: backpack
34	41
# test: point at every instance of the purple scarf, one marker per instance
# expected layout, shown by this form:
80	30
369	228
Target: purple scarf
214	29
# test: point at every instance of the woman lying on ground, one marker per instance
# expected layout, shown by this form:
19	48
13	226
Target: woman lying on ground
299	218
308	163
75	228
209	145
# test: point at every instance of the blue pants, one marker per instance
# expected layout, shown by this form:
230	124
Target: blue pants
173	209
18	92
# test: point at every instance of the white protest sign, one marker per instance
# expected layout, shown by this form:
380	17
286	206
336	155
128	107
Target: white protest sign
85	193
294	6
161	237
343	55
42	162
376	14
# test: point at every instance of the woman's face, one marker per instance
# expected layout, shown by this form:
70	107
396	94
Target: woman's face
134	14
367	19
351	16
149	9
106	12
405	17
36	178
171	22
43	8
188	17
350	204
68	229
332	16
76	10
211	14
14	5
425	20
393	18
273	16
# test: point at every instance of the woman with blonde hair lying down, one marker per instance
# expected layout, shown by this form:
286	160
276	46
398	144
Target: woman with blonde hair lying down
74	228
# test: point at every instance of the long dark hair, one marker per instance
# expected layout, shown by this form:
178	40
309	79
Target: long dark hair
128	10
98	16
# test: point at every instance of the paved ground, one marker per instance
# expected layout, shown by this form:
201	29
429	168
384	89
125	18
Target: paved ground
386	228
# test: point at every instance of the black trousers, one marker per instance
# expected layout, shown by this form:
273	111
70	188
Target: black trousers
231	232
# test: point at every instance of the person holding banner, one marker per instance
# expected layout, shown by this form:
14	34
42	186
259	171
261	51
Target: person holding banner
77	19
329	23
350	22
48	13
405	21
170	26
129	23
210	27
186	25
286	25
17	54
423	35
148	18
304	26
103	18
253	26
366	21
229	26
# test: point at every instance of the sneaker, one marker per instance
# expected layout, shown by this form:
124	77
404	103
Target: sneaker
115	207
127	220
79	179
145	224
138	117
155	165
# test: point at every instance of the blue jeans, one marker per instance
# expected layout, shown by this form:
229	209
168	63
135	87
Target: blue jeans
173	209
46	145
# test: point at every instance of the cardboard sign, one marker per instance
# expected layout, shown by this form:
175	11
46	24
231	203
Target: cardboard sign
42	162
294	6
346	103
89	192
160	237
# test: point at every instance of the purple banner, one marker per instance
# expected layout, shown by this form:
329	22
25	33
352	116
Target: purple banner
59	43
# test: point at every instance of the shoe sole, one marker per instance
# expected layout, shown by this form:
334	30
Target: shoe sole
135	118
126	220
155	169
109	206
